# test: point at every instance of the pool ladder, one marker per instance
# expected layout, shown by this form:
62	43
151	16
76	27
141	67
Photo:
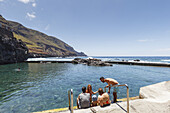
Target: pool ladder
70	92
126	92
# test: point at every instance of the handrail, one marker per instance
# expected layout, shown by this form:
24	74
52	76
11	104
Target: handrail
127	94
70	103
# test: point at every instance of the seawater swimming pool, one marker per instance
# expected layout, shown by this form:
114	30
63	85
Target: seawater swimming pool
40	87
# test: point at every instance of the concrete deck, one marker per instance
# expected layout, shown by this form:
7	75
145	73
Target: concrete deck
141	63
155	99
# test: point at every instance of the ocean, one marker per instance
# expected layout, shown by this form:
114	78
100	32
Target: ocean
38	87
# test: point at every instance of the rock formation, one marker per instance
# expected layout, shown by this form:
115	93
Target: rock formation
90	62
11	49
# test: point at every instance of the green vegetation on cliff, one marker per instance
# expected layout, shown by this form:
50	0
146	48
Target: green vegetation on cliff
39	43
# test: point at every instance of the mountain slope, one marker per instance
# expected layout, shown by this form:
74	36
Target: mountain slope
39	44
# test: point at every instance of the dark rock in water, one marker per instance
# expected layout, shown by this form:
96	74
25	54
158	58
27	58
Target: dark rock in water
137	60
78	59
90	62
11	49
75	62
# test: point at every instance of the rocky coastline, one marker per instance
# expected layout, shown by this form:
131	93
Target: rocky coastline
17	43
11	49
91	62
39	44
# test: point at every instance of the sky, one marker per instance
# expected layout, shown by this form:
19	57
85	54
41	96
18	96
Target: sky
98	27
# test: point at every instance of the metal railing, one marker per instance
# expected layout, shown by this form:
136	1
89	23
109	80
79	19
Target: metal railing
70	92
127	94
70	97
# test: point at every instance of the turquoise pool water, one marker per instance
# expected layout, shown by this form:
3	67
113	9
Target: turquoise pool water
40	87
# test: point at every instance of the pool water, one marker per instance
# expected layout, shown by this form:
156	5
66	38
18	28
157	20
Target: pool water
39	87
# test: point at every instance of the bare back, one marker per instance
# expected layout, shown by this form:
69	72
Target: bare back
111	81
103	99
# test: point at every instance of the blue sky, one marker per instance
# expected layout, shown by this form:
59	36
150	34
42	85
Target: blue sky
98	27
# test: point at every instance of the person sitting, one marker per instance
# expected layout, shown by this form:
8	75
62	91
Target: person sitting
94	101
103	98
83	100
89	90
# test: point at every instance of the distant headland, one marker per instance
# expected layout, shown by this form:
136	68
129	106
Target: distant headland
35	43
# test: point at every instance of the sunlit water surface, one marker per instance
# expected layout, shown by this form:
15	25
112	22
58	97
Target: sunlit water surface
40	87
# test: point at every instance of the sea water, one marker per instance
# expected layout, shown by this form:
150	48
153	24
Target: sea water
38	86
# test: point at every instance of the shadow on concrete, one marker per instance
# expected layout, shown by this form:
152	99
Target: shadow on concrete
121	107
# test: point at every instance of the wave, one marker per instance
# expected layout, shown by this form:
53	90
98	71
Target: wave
166	60
49	59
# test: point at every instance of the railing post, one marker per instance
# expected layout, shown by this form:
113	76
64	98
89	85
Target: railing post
127	98
71	100
127	94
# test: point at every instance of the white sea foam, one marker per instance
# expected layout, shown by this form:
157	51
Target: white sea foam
142	61
49	59
166	60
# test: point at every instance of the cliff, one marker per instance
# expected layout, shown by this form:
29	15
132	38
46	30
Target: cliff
39	44
11	49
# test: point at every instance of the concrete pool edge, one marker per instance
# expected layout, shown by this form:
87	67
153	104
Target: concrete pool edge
155	98
75	107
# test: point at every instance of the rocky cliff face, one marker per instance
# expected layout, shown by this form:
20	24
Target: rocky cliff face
40	44
11	49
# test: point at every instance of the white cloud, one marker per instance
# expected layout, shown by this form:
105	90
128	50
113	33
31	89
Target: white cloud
34	4
31	15
164	50
47	27
1	0
146	40
26	1
142	40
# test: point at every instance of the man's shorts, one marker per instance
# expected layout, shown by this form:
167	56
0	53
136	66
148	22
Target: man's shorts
115	89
